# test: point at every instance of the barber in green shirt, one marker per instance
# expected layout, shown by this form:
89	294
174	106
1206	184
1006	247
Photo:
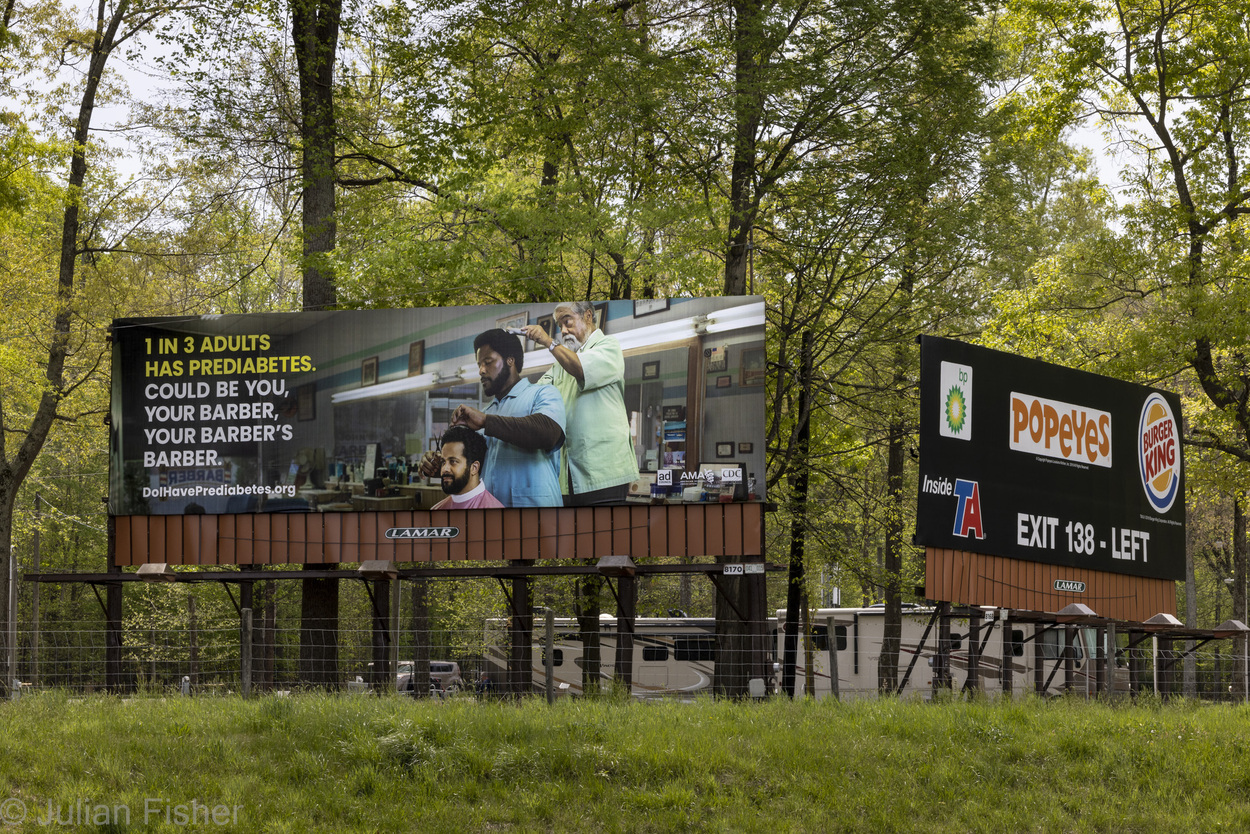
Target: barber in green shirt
598	464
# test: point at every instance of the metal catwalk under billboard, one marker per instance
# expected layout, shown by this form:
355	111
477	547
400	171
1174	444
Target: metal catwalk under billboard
522	405
1028	460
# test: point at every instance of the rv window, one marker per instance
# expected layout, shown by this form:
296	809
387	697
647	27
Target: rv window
1017	642
1052	645
820	638
701	649
654	654
957	641
557	657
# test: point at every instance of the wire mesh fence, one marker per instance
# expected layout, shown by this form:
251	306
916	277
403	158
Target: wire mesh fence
672	658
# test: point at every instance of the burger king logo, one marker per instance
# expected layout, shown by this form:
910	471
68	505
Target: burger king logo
1159	453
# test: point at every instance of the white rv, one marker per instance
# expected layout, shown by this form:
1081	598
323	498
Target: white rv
676	656
857	642
673	656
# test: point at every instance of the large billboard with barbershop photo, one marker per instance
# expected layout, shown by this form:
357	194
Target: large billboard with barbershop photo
1027	460
520	405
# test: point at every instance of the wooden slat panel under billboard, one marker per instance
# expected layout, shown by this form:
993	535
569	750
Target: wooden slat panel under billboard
262	537
622	541
124	540
156	540
695	540
639	532
279	539
529	533
510	544
714	532
669	531
965	578
676	527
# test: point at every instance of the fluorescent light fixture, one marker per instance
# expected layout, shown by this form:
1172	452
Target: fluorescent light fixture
741	317
384	389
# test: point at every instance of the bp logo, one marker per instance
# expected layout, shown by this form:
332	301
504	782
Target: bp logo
1159	453
956	401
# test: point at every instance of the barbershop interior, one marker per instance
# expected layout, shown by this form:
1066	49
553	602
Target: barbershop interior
695	371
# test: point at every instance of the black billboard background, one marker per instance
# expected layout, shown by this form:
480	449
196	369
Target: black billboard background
1051	493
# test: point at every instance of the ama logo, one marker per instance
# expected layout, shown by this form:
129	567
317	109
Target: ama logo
1159	453
956	401
968	509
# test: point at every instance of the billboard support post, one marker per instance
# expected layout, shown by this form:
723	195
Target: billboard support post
942	660
626	599
113	619
974	653
245	651
1005	680
521	651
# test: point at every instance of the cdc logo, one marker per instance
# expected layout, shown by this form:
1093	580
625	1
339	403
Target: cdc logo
1159	453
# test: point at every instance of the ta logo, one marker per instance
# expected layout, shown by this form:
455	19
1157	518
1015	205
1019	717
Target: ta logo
956	400
968	509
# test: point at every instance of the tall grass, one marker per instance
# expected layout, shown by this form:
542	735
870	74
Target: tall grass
327	763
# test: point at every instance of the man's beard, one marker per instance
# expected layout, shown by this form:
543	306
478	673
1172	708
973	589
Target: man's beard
494	385
570	341
453	485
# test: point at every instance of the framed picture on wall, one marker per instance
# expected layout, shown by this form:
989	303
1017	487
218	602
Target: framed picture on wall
601	316
651	370
754	367
549	326
306	402
647	306
416	358
725	449
746	448
724	381
369	371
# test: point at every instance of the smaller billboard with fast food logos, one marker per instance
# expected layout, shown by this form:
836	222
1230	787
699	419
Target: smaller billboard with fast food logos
1065	467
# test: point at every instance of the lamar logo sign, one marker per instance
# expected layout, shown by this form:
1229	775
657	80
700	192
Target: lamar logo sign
1069	586
423	532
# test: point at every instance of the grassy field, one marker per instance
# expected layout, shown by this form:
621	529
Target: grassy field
361	763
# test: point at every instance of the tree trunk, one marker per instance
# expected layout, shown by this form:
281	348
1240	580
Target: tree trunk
892	567
588	609
887	665
315	34
798	521
1239	590
13	470
319	628
748	107
420	638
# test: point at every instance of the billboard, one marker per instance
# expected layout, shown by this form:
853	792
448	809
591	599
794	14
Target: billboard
1027	460
650	401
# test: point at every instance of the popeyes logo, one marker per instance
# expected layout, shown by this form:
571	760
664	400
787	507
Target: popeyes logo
1060	430
1159	453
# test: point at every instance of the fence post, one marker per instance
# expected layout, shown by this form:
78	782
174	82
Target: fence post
549	661
393	653
245	652
832	631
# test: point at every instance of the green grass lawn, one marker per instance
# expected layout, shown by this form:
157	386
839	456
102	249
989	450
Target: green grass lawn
362	763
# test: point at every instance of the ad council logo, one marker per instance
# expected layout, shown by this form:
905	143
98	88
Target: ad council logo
1159	453
956	393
